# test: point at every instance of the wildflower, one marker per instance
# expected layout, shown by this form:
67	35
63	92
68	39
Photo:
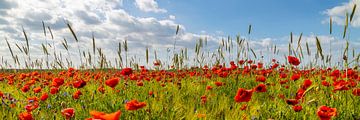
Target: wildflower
292	101
261	78
44	96
134	105
37	89
54	90
325	113
77	94
68	113
25	88
307	83
218	83
356	92
57	82
295	77
297	108
293	60
103	116
79	84
25	116
260	88
243	95
112	82
126	71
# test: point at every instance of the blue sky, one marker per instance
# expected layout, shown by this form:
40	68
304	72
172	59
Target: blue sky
152	24
274	18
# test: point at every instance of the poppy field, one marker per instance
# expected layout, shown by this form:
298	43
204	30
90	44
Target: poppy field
232	82
244	90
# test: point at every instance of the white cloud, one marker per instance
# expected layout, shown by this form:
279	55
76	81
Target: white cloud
149	6
172	17
112	24
109	22
338	13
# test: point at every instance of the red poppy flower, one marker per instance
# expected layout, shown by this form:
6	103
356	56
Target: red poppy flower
151	93
103	116
54	90
208	87
293	60
57	82
44	96
243	107
134	105
112	82
300	93
218	83
340	85
31	106
25	88
283	75
139	83
126	71
77	94
261	78
297	108
292	101
79	84
325	113
68	113
356	92
101	89
295	77
203	99
260	88
25	116
37	89
307	83
325	83
243	95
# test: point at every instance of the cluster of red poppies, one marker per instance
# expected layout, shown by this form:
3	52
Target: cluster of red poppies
36	82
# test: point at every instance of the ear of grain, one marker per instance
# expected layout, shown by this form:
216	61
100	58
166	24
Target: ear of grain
319	49
26	39
352	13
275	49
177	29
299	40
52	36
346	25
11	52
289	48
253	52
147	55
330	25
308	49
249	30
45	49
125	46
291	37
93	43
64	43
72	32
19	48
346	50
44	29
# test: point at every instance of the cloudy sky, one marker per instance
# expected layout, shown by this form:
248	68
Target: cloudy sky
152	23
